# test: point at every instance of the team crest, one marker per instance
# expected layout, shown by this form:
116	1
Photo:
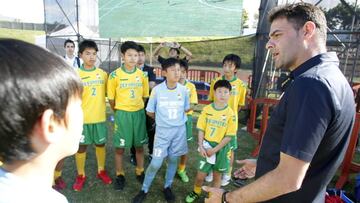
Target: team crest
98	76
223	117
137	79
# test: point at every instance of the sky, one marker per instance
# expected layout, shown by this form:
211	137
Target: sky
19	9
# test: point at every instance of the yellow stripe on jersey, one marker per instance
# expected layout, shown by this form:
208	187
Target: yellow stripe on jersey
192	94
93	98
217	123
238	93
128	89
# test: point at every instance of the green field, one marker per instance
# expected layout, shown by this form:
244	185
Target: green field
168	18
25	35
95	191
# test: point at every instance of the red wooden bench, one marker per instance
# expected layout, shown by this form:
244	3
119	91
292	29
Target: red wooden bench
258	134
348	165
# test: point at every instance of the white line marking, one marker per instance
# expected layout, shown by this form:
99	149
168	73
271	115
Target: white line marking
218	7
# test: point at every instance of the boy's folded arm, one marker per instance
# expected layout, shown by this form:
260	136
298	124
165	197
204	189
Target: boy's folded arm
112	104
151	114
223	142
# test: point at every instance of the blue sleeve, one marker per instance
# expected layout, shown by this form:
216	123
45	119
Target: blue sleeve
187	99
151	106
309	111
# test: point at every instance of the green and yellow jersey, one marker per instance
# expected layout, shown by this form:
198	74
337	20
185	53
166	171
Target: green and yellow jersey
192	94
128	89
217	123
237	94
93	98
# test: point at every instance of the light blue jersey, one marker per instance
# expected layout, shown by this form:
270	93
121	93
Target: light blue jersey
169	105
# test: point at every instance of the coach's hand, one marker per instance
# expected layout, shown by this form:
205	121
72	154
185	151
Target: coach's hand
247	170
215	196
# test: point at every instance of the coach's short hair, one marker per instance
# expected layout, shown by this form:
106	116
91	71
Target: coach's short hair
32	80
298	14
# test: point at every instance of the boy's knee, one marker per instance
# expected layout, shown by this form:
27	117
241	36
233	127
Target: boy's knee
119	151
155	164
173	159
139	149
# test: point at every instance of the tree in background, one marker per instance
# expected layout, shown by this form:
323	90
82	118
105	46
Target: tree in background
341	16
244	19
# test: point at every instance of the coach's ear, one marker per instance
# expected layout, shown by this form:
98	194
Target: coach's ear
45	130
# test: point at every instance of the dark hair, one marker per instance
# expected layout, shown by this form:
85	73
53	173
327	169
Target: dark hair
184	64
87	44
129	45
169	62
222	83
68	41
32	80
233	58
176	49
298	14
141	49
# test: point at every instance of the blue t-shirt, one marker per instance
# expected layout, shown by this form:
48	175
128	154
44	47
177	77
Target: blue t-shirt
169	105
13	189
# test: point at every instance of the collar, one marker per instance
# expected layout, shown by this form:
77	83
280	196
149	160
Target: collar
66	56
314	61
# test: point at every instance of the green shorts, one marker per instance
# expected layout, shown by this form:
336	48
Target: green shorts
95	133
233	143
222	163
189	128
130	129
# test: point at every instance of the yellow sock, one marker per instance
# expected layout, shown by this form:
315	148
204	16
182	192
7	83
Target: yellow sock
100	157
197	189
229	173
138	171
80	163
57	174
120	173
181	167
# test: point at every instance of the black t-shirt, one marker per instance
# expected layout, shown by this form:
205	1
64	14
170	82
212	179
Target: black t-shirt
162	59
313	123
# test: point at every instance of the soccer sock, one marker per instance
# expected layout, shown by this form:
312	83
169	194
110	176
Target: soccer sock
80	163
120	173
229	173
57	174
100	157
139	171
181	167
197	189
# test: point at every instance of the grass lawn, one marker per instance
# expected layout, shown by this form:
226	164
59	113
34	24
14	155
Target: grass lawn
95	191
147	18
